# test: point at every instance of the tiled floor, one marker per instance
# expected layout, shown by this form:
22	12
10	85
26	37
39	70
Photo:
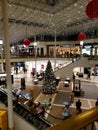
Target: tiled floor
29	83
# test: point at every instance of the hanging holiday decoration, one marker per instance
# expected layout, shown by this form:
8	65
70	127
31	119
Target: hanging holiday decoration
92	9
26	42
81	36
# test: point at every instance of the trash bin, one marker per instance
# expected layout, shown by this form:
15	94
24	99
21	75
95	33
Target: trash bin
23	83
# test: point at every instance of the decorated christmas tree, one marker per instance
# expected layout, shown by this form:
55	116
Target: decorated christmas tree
49	82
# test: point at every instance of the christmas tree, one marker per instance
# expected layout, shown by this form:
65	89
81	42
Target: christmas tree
49	82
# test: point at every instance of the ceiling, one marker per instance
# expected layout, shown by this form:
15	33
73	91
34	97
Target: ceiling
43	19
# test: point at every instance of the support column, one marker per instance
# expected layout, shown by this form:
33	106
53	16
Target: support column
81	45
35	48
95	52
2	69
91	51
55	51
8	63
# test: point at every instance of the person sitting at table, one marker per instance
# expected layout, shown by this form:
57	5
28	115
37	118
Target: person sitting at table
67	110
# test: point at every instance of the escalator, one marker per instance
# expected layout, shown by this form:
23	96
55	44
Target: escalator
67	70
36	121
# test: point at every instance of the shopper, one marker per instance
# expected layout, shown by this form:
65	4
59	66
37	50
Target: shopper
74	76
16	70
88	76
78	106
71	98
96	103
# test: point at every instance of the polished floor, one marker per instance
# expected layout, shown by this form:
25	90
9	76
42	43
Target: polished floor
54	113
88	100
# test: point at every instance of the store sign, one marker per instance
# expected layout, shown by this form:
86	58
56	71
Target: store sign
67	45
87	46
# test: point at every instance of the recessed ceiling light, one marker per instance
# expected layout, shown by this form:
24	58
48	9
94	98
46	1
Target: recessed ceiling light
81	6
27	9
79	12
58	13
12	15
9	5
75	4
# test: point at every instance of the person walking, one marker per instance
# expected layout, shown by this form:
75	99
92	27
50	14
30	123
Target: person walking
96	103
74	76
78	106
71	98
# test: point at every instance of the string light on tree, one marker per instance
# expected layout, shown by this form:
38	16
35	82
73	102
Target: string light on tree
49	82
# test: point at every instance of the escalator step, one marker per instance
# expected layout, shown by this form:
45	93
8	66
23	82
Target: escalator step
21	111
24	114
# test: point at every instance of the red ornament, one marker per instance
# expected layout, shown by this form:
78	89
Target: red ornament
92	9
81	36
26	42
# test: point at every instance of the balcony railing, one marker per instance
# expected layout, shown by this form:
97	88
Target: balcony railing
37	121
82	121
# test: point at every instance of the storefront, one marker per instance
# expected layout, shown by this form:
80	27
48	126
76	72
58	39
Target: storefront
86	50
64	50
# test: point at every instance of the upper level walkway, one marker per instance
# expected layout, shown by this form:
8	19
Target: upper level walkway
16	57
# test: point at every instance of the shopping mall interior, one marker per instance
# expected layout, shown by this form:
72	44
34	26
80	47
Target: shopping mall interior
48	64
